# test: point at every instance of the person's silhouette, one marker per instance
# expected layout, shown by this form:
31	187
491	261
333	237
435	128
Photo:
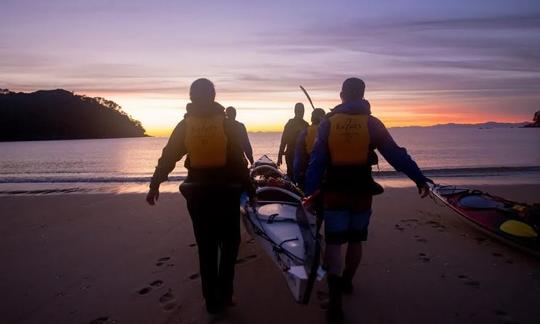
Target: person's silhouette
241	133
217	174
288	139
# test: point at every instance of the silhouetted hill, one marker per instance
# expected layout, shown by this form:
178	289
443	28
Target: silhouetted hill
60	114
486	125
536	120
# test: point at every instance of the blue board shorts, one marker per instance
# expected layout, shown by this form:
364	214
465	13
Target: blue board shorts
344	226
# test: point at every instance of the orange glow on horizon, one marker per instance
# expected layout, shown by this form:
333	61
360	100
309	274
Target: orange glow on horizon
159	113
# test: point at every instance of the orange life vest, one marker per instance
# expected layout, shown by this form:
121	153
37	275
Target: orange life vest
311	136
348	139
351	155
206	141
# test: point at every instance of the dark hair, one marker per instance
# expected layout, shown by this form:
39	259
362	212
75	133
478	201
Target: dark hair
202	90
353	89
317	115
230	112
299	108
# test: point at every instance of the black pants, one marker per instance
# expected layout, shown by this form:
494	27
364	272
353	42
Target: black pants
215	214
289	159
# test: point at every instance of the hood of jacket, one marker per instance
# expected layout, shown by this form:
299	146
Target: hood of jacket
357	107
204	110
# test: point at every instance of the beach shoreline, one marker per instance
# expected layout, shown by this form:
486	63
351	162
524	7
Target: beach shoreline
78	258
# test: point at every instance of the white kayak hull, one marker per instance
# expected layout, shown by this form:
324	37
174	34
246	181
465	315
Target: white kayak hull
288	235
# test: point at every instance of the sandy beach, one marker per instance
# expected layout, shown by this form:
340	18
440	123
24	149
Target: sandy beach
103	258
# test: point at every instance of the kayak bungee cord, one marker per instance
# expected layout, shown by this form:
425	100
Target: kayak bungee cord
276	247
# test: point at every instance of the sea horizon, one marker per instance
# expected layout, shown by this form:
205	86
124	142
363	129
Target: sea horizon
471	156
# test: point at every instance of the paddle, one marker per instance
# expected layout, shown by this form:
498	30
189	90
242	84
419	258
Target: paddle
308	97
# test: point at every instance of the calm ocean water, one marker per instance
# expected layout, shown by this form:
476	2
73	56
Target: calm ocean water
458	156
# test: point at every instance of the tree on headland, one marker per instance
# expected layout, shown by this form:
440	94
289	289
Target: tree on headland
536	120
60	114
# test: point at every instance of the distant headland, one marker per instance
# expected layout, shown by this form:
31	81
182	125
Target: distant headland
60	114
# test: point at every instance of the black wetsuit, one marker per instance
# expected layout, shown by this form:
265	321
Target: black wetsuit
288	142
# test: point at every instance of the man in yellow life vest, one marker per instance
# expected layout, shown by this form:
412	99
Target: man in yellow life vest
217	174
288	139
340	168
305	144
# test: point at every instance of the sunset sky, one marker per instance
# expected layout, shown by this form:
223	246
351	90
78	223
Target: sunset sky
424	62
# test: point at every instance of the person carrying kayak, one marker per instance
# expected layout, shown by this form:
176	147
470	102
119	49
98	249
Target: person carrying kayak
241	133
288	139
340	167
304	146
217	174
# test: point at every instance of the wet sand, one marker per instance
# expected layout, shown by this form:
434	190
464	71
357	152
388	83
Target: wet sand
102	258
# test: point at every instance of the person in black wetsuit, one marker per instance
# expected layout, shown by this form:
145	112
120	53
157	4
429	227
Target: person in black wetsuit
241	133
292	129
217	174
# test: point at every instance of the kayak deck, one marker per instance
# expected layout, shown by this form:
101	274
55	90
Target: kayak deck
514	223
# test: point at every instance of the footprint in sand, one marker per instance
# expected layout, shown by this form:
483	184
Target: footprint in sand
167	297
436	225
161	261
421	240
473	283
504	316
156	283
399	227
469	282
193	245
194	276
167	300
100	320
423	257
246	258
496	254
144	291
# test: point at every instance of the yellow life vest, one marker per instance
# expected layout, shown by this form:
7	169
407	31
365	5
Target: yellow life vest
348	140
311	136
206	141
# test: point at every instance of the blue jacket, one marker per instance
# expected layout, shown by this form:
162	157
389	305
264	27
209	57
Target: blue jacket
380	139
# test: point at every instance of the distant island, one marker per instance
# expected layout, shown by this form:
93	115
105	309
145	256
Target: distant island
486	125
536	120
60	114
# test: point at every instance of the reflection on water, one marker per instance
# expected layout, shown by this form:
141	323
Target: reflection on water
125	165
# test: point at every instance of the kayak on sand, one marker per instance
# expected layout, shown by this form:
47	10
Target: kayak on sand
511	222
285	230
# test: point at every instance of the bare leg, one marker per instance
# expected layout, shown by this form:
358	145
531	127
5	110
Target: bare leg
333	259
352	260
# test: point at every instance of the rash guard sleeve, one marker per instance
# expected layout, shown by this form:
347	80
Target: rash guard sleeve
172	153
395	155
318	160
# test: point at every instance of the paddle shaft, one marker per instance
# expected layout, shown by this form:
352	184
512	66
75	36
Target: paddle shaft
308	97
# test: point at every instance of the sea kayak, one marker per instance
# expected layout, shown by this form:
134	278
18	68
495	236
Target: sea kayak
511	222
287	233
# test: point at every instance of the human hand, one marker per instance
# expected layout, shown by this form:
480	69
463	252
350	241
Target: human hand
423	188
152	196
